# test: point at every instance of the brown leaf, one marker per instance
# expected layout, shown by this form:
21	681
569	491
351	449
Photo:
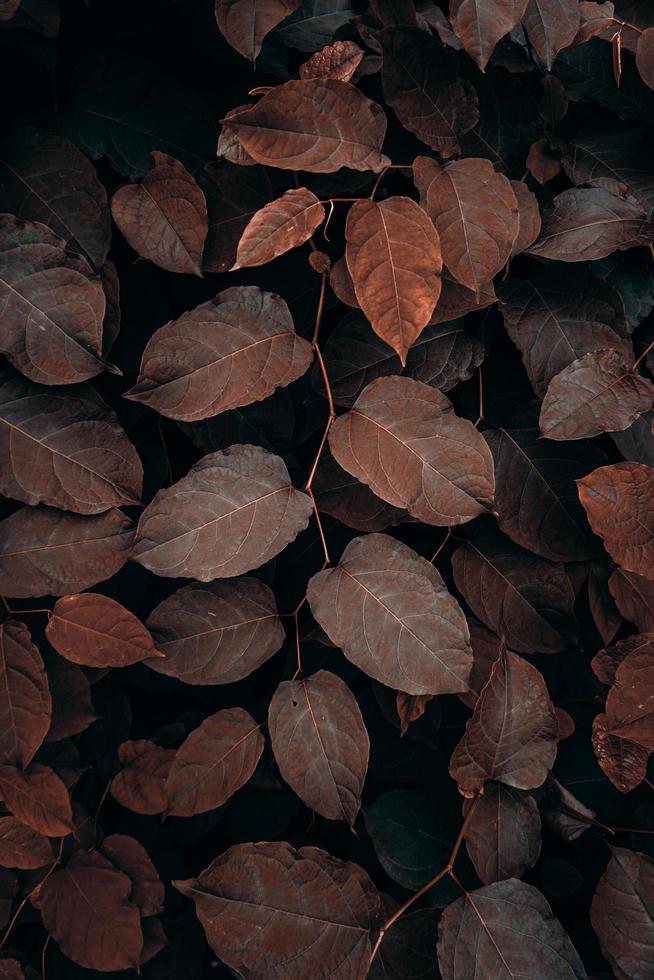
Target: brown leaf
242	497
393	255
38	798
504	835
634	597
317	124
505	930
389	611
231	351
271	911
511	737
130	857
623	761
596	393
525	599
25	703
622	913
629	711
619	501
85	907
141	785
23	848
72	707
352	503
475	213
164	217
542	163
339	60
551	25
528	215
440	468
44	177
320	743
217	633
645	56
341	282
480	24
596	18
65	448
244	24
215	760
421	84
47	552
53	306
590	223
279	226
96	631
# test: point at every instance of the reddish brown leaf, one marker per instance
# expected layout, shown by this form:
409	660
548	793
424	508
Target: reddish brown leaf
96	631
634	597
141	785
542	163
622	913
23	848
231	351
317	124
320	743
505	930
596	393
229	146
242	497
339	60
503	838
215	760
65	448
623	761
244	24
389	611
480	24
475	213
629	711
442	470
645	56
422	85
525	599
130	857
394	258
279	226
529	217
341	282
551	25
303	907
47	552
164	217
72	707
49	340
217	633
38	798
85	907
596	19
619	501
590	223
511	737
25	703
44	177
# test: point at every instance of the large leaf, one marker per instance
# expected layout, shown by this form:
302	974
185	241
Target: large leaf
86	907
619	501
511	737
130	857
525	599
231	351
141	783
38	798
279	226
244	24
232	512
316	124
475	212
215	760
389	611
505	930
550	26
164	217
270	911
622	913
480	24
53	306
64	447
403	439
47	552
96	631
598	392
504	835
421	84
44	177
554	315
25	703
394	258
320	743
216	633
589	223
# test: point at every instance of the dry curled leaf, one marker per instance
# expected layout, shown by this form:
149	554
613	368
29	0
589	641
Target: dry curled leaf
339	60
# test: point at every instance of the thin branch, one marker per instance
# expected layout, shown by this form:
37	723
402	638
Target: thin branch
441	545
641	357
380	177
298	653
321	532
480	381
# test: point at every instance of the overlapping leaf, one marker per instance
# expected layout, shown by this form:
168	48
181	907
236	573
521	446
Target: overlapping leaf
480	24
619	501
245	24
141	783
622	912
25	703
504	835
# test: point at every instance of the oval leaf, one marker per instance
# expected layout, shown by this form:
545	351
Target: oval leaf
504	835
25	703
244	24
38	798
622	912
281	225
96	631
23	848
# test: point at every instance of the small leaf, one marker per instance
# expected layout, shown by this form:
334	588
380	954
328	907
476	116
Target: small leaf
244	24
96	631
279	226
140	785
622	913
339	60
624	762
